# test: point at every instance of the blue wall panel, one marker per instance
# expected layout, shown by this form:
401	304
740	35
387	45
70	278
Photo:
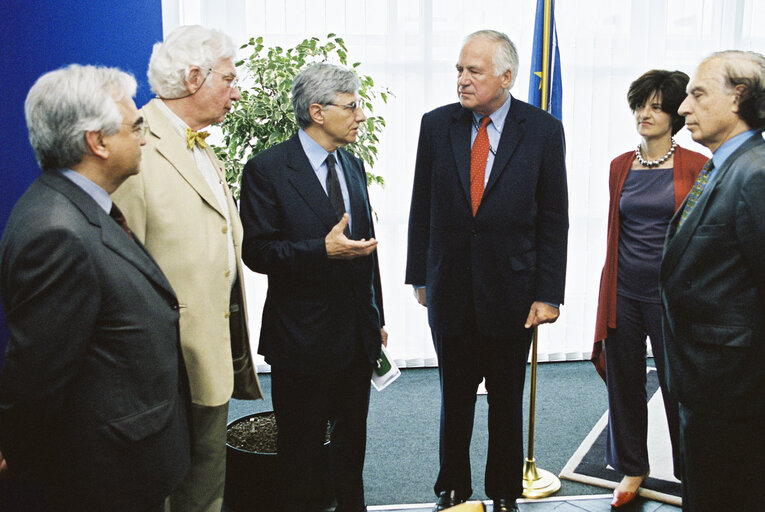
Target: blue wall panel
38	36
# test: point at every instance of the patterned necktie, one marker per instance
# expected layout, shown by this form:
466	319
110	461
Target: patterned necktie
197	138
478	156
334	192
116	214
695	193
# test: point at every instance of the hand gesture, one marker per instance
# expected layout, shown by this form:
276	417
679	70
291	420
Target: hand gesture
341	247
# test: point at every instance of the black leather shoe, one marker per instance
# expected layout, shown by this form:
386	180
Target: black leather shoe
505	505
447	499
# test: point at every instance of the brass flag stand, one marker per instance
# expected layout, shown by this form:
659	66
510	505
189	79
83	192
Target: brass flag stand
537	483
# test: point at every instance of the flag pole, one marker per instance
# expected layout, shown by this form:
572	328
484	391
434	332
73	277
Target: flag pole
537	483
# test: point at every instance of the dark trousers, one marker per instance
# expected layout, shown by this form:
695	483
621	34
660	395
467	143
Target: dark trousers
625	348
722	462
303	404
464	359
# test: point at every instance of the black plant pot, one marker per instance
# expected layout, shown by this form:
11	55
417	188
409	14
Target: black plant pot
251	483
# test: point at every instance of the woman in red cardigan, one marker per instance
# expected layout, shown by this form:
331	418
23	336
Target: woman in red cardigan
646	187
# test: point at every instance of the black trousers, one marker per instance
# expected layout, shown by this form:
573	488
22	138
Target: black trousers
722	462
303	404
627	444
464	359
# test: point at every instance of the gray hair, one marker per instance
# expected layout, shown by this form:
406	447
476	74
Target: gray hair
185	47
505	56
320	83
748	69
64	104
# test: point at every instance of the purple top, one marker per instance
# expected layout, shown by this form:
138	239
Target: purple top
646	206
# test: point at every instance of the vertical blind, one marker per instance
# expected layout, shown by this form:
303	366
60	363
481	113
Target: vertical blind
411	47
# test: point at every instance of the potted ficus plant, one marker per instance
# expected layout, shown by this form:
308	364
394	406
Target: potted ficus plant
263	117
251	483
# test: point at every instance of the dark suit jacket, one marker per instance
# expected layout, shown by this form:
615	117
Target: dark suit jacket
92	396
712	286
318	312
513	252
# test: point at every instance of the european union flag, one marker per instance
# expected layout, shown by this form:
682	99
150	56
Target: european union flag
545	88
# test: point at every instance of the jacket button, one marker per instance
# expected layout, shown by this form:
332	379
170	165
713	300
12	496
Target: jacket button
228	273
224	230
226	314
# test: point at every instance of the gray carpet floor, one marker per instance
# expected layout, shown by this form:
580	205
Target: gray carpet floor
402	441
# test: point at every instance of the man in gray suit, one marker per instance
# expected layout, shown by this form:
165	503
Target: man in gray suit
712	286
93	397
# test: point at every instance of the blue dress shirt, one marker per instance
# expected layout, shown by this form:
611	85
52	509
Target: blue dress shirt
98	194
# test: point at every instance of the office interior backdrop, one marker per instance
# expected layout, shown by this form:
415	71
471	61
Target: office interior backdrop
411	47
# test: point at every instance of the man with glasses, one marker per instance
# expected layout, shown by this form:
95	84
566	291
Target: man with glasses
181	208
308	226
93	399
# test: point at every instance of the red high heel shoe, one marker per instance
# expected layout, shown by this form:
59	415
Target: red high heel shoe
621	497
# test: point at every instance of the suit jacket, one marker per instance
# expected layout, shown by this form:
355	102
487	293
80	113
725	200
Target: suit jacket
318	312
513	251
93	398
712	286
687	165
171	209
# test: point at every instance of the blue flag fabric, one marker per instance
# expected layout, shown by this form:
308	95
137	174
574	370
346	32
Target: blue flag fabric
545	87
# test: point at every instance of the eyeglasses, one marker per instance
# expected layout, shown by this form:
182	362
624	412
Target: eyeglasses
352	107
231	79
140	127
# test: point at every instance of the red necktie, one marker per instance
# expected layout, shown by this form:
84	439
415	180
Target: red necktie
117	215
478	156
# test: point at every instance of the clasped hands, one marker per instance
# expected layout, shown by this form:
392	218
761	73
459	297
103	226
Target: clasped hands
340	247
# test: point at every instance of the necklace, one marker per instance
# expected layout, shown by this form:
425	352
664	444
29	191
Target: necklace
655	163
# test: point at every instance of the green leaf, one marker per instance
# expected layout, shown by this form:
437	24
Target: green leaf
263	116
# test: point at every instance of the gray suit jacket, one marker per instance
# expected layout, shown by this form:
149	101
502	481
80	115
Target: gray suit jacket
93	398
712	286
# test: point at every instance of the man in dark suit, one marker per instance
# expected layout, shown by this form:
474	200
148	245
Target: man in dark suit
308	226
712	286
93	401
488	230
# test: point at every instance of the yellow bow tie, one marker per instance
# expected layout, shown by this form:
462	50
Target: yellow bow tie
197	138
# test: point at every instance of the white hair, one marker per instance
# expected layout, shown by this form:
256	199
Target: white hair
185	47
505	56
64	104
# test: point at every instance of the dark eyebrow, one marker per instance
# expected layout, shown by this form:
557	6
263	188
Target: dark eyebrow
138	122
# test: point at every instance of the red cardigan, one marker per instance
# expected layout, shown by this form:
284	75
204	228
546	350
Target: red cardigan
687	165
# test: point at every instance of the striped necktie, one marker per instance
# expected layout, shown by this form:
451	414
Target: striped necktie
695	193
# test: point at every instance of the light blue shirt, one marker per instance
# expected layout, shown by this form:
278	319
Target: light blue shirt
725	150
98	194
493	130
317	156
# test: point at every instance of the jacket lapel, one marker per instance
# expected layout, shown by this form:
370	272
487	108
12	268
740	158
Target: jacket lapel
512	134
112	235
459	133
177	154
306	184
677	239
355	179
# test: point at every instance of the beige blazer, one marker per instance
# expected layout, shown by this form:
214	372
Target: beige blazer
171	209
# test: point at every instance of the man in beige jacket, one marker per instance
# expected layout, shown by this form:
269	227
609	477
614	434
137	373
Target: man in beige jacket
181	208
